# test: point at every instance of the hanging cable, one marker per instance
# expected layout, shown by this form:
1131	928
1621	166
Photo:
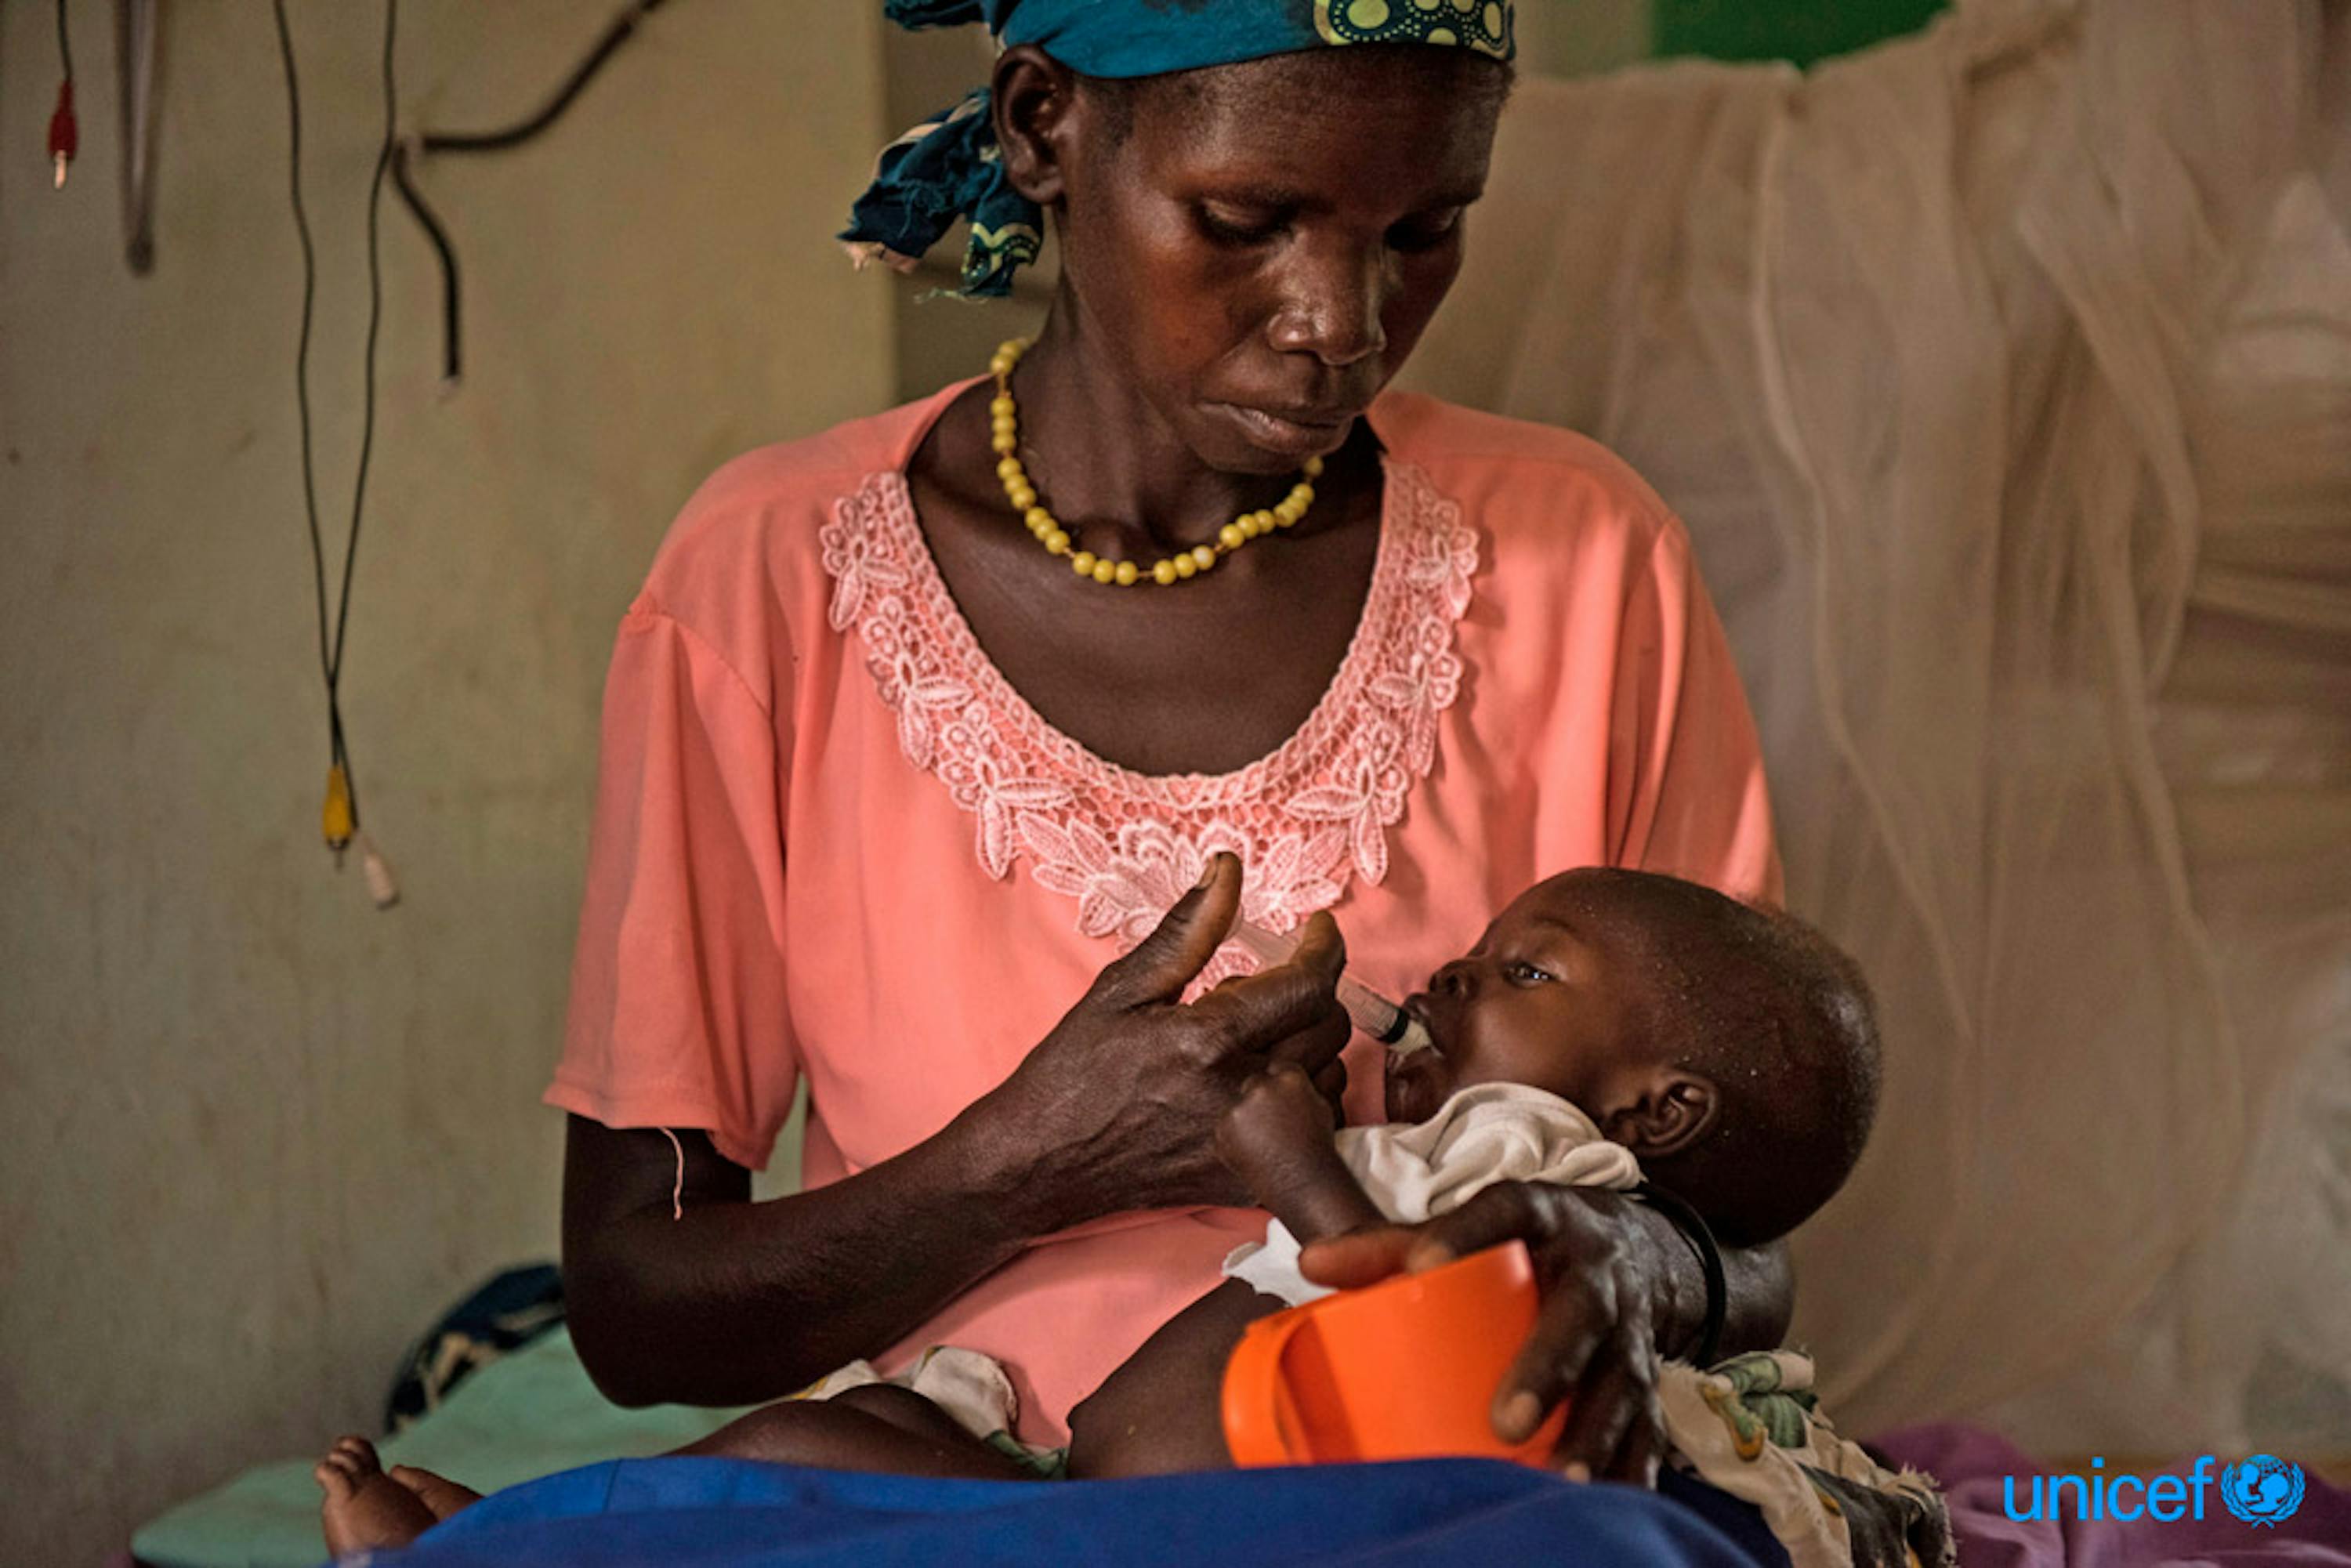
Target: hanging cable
65	132
615	33
339	817
452	299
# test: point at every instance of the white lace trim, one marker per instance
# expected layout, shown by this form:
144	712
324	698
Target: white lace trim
1127	846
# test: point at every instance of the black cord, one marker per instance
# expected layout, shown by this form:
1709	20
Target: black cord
1700	1235
65	44
515	135
330	653
375	321
392	161
452	299
616	32
302	348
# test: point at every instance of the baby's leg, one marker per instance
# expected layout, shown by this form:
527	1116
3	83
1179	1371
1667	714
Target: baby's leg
877	1428
1162	1410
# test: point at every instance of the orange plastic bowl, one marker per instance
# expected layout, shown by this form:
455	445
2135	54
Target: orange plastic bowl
1405	1369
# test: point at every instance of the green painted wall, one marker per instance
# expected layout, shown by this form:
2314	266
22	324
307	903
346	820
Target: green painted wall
1799	30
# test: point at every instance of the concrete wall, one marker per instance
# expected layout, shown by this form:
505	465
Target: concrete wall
257	1132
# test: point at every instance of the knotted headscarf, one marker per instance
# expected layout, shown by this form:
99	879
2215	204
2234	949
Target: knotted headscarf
950	167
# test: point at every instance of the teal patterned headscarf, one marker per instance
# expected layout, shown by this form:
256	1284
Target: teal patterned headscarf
949	166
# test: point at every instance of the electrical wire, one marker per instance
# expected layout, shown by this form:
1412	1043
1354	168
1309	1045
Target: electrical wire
341	814
615	33
453	354
342	787
65	131
302	346
505	139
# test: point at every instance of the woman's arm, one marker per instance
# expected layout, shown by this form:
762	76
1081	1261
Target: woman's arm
1760	1281
735	1302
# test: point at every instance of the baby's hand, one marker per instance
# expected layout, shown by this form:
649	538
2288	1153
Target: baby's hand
1279	1113
1278	1139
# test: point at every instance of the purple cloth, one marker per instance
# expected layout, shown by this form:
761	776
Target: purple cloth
1974	1466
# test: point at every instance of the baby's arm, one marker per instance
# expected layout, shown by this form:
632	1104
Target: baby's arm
1160	1411
1278	1139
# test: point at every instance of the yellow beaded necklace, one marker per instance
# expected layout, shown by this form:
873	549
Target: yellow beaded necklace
1085	563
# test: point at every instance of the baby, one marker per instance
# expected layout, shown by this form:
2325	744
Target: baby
1610	1025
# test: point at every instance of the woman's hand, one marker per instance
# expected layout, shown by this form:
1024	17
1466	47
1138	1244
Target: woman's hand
1117	1108
1594	1340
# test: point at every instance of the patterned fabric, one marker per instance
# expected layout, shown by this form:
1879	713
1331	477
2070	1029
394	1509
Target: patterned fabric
1303	820
505	1314
949	167
1753	1427
1481	25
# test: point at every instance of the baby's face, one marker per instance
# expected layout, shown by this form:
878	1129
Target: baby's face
1547	998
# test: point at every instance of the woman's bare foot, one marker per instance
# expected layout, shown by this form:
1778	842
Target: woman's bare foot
368	1509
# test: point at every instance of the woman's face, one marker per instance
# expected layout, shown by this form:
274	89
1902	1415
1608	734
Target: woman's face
1262	244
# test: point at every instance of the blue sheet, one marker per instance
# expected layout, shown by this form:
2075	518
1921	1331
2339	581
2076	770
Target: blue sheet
699	1511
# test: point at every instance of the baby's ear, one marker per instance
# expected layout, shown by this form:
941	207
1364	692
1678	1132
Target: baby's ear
1671	1110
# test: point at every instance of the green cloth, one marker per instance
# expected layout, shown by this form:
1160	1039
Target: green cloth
1770	1401
524	1415
1814	30
1046	1464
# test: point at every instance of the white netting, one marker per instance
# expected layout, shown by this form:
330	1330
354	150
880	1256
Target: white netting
2003	376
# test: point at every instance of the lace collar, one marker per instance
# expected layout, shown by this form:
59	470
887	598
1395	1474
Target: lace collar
1303	819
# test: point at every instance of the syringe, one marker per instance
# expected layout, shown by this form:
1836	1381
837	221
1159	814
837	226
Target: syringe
1377	1015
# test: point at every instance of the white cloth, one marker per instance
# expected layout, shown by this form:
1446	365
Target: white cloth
972	1387
2002	375
1485	1133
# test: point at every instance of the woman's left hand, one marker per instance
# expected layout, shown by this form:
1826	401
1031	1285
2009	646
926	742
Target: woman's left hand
1594	1340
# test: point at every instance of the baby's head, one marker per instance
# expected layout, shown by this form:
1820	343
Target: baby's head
1733	1049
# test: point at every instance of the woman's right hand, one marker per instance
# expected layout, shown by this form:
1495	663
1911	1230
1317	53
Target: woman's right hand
1117	1108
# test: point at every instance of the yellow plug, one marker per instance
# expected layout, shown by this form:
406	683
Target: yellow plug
337	816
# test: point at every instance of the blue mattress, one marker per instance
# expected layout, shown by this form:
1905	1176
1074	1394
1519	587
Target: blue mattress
707	1511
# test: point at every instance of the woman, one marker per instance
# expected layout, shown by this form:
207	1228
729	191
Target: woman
886	781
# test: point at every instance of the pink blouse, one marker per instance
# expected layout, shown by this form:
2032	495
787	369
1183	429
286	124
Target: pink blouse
832	843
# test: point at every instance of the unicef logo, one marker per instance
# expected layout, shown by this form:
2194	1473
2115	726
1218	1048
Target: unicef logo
2263	1490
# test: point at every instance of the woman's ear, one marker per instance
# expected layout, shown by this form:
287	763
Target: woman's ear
1672	1110
1034	98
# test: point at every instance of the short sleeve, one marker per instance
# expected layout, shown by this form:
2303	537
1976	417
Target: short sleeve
677	1014
1685	791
